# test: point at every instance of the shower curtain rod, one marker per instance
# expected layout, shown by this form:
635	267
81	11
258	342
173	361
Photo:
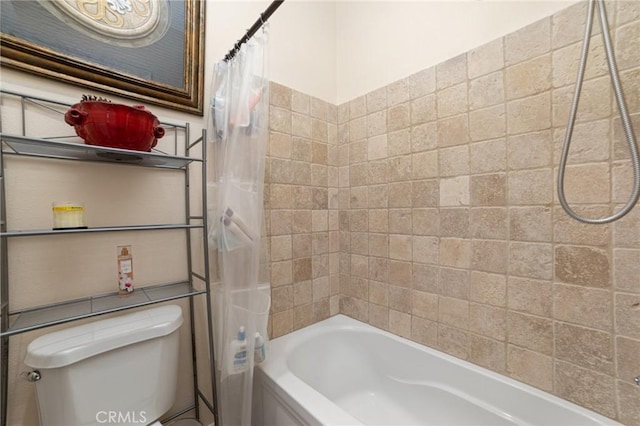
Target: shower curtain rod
264	16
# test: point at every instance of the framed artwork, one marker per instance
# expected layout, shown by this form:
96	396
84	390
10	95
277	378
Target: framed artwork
149	50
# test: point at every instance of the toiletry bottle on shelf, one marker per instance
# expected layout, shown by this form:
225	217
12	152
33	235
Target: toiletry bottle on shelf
238	352
259	351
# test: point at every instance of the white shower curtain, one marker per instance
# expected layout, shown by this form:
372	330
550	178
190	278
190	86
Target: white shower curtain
238	134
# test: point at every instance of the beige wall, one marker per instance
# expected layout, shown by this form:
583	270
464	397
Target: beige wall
450	230
379	42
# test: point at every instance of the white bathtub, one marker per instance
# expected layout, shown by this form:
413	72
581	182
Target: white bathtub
344	372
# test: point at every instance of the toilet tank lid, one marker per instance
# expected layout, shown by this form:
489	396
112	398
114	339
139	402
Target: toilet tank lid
65	347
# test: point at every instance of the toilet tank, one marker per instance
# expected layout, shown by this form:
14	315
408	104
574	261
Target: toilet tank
121	370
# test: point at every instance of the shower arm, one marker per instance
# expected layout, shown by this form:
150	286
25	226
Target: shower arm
624	116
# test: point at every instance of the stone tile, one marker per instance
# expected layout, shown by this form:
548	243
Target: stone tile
423	109
451	72
400	273
566	62
626	311
378	171
377	100
377	147
355	308
400	299
400	221
319	266
489	256
530	224
281	273
628	396
357	107
454	283
588	388
357	129
424	331
530	151
400	168
626	45
281	298
320	198
453	341
584	347
589	307
488	156
454	191
488	321
281	171
627	11
489	289
399	142
454	252
595	103
279	95
486	91
379	293
279	145
452	101
454	161
528	42
487	353
530	296
530	367
301	245
626	231
300	102
424	137
453	312
626	270
282	323
398	92
377	123
422	83
489	190
302	316
587	184
425	305
568	25
529	114
425	249
302	221
400	247
358	221
280	196
400	323
454	223
424	165
281	222
399	117
628	361
528	78
453	130
622	178
301	125
281	248
400	194
426	221
378	269
321	289
379	245
586	266
488	123
530	332
486	58
302	293
531	260
488	223
425	278
280	119
378	220
426	193
531	187
379	316
378	196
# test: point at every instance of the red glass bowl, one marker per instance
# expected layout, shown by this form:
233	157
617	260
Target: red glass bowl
115	125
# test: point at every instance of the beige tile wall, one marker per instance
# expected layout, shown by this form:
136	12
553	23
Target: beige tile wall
449	231
301	209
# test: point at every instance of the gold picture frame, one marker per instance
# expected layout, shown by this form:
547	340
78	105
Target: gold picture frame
35	40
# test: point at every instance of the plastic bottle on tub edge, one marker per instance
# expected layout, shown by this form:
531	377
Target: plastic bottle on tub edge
238	352
259	352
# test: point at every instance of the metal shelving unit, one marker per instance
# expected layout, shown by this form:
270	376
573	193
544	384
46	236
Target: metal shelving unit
14	322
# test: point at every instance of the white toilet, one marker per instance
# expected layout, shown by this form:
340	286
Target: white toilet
120	370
